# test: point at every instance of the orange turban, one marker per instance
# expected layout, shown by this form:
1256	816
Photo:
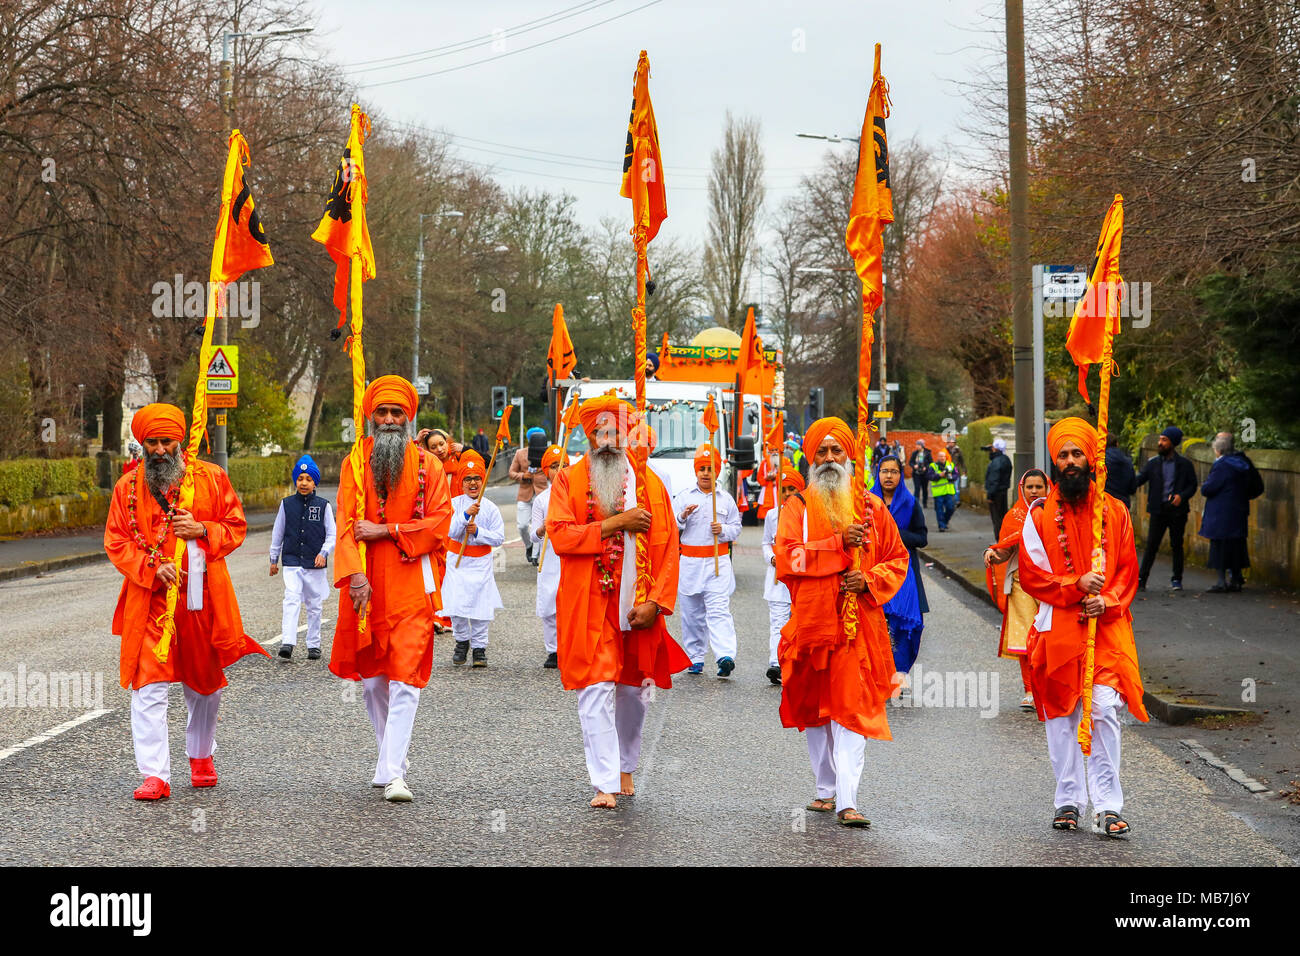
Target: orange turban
390	390
818	430
471	463
592	410
643	434
709	453
1076	430
158	420
554	456
790	476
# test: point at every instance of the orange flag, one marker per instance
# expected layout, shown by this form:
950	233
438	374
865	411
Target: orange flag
503	429
751	356
560	360
643	166
775	437
343	230
873	204
663	348
1098	311
571	415
241	242
711	416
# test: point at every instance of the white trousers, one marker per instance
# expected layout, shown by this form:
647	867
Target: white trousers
706	620
1077	774
778	613
391	706
523	518
837	756
612	717
303	586
149	727
470	629
548	633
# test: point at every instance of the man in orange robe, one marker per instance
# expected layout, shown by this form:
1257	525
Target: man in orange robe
610	648
140	539
832	686
408	512
1055	563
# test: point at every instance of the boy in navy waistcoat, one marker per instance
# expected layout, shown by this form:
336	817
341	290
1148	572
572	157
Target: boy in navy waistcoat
302	540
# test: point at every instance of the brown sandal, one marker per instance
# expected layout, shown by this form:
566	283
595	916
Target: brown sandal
822	805
856	821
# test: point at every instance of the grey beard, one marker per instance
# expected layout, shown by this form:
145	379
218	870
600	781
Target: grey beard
164	471
608	475
831	476
387	457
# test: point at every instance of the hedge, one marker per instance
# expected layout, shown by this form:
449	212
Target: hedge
979	434
254	474
23	479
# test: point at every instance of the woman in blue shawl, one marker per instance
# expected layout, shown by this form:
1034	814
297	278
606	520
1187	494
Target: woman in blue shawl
904	611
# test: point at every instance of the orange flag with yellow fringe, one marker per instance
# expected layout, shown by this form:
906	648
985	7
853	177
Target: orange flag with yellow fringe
1097	313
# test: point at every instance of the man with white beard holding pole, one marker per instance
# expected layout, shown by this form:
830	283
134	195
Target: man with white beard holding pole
610	648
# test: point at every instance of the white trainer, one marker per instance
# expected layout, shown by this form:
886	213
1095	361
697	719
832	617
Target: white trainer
397	791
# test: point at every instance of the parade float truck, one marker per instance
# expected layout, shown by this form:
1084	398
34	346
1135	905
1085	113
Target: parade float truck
688	378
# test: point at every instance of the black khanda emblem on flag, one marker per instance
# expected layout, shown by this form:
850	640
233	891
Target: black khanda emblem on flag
882	151
338	206
255	229
627	150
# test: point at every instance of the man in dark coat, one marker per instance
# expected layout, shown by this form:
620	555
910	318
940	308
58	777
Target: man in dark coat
1173	482
997	481
1232	482
919	462
1121	476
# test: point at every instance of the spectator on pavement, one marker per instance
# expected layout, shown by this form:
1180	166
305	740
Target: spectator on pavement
1121	477
997	482
919	462
943	478
481	445
1232	482
1173	482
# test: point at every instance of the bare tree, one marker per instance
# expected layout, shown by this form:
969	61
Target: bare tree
736	194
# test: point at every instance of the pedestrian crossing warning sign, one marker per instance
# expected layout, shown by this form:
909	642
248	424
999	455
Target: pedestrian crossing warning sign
223	369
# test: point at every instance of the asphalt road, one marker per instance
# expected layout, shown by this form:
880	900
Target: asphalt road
497	763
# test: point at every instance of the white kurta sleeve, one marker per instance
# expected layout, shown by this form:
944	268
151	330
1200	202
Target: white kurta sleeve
729	518
458	522
491	526
538	519
328	547
277	535
769	537
679	505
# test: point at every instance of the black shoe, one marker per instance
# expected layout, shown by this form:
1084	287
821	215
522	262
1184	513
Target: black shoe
551	661
480	657
1217	589
313	653
1142	585
774	675
1176	585
286	651
460	653
725	666
1235	586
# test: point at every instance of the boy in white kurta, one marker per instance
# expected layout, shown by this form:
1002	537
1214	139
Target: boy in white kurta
469	589
548	568
775	593
703	596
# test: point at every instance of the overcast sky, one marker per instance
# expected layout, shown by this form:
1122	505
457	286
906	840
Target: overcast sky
797	66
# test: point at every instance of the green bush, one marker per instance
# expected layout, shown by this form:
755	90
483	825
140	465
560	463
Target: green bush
977	435
23	479
254	474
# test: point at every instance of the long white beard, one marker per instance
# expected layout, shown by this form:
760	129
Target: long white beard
165	472
608	475
387	457
831	483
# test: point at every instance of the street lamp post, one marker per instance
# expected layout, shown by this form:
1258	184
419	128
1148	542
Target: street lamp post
419	285
219	334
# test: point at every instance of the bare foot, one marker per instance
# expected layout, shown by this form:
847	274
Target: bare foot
604	800
627	789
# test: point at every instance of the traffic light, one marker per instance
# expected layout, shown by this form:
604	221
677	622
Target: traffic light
499	401
816	405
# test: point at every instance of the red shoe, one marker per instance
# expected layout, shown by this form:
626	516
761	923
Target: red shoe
153	788
202	773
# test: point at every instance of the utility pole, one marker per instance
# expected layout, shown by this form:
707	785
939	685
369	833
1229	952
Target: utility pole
219	331
1022	349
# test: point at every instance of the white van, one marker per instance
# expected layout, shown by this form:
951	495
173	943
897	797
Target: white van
675	410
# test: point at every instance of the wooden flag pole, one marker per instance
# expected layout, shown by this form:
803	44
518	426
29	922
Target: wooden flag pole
479	497
1098	518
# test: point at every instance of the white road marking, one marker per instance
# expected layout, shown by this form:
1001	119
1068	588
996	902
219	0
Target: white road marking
53	732
301	628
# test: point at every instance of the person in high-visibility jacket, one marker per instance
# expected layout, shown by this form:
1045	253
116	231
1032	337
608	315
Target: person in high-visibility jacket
943	478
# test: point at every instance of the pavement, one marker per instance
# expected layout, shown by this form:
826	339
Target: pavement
497	764
1223	669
